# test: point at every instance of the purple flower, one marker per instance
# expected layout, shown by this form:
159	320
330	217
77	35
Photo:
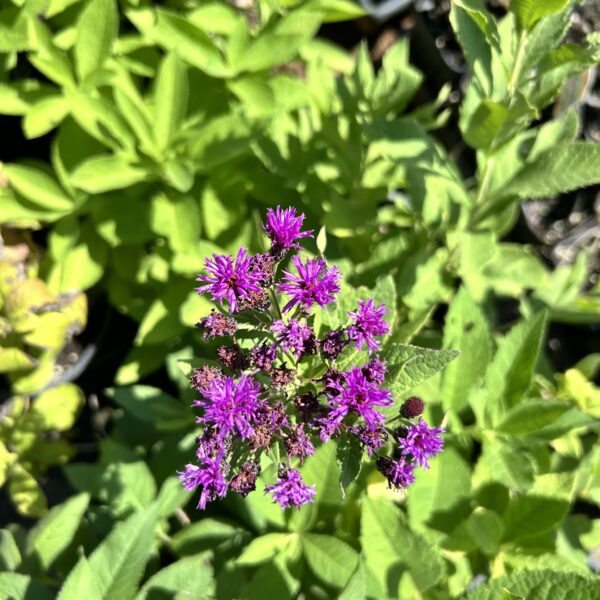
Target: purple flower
263	356
228	279
230	406
314	283
356	395
294	336
421	442
371	440
209	475
399	473
290	489
375	370
283	228
216	325
368	322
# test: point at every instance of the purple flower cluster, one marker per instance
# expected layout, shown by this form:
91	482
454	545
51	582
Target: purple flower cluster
259	399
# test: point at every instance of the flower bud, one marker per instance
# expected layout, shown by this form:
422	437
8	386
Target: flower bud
413	407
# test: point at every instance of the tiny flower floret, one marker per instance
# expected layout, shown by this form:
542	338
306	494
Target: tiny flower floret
209	475
231	407
368	322
399	473
313	284
294	336
229	279
421	442
291	490
359	396
283	228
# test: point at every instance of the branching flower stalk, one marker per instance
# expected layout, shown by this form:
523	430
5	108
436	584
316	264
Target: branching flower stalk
278	389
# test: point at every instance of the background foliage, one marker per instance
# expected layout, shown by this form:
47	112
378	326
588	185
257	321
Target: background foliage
167	129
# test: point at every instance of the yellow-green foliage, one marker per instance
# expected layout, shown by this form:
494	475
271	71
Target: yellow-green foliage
35	326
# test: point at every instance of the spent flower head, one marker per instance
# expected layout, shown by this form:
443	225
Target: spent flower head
285	384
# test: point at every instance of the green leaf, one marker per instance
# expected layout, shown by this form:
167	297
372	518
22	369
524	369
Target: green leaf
14	586
53	534
206	534
279	43
321	469
55	7
486	529
333	11
466	330
26	493
484	20
264	548
475	46
191	578
510	373
97	30
153	406
331	560
178	35
390	547
529	12
356	588
119	561
439	489
171	497
13	30
45	115
349	457
564	168
526	583
59	406
530	416
170	99
14	359
126	486
104	173
47	58
408	366
81	582
527	516
99	118
505	464
485	124
10	556
38	187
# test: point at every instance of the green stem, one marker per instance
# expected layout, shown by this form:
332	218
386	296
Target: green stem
518	65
